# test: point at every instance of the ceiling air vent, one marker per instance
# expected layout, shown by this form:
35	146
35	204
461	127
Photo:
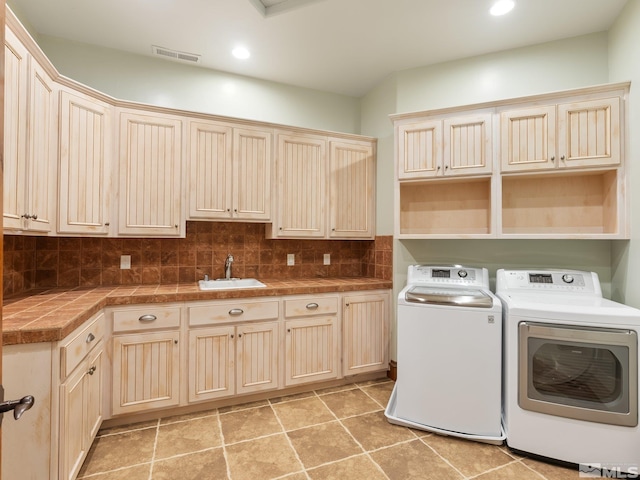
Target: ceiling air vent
175	55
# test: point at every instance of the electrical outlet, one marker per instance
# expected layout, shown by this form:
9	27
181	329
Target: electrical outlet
125	262
327	259
291	259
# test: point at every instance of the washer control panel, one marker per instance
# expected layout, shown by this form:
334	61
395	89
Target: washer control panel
573	281
448	275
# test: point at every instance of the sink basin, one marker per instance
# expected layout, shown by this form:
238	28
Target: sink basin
231	284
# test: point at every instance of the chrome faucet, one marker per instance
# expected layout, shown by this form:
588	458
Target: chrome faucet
227	267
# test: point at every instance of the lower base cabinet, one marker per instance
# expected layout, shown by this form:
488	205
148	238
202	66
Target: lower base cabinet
130	361
365	337
80	413
145	372
229	360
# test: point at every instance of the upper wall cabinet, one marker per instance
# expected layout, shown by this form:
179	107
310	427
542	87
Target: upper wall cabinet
229	172
459	145
325	187
128	169
559	169
568	135
150	193
84	184
30	141
302	186
352	189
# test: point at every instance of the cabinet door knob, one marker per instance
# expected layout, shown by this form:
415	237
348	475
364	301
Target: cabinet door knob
34	216
147	318
106	224
90	338
234	312
92	370
553	158
312	306
562	158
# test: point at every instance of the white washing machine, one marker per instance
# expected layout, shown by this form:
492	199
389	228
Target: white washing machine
570	370
449	354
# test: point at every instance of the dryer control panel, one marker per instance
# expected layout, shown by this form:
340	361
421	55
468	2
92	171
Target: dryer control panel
448	275
561	281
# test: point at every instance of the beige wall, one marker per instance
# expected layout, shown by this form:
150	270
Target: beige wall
624	64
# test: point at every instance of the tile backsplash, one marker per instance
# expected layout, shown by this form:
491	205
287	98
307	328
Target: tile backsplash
36	262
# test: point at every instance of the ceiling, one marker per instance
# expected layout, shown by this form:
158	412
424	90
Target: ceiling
338	46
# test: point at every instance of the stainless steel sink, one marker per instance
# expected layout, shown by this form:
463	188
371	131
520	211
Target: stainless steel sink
230	284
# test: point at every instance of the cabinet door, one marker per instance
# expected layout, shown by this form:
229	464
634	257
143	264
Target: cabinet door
365	333
15	132
589	133
73	423
42	151
150	175
420	149
302	172
80	413
94	381
146	371
85	165
467	144
528	138
311	349
211	176
257	357
352	190
211	365
252	174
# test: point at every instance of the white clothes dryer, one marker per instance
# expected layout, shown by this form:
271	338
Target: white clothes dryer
570	370
449	354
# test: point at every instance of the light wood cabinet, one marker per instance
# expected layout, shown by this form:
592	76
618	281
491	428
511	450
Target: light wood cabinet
365	323
568	135
81	392
233	348
459	145
80	413
326	188
145	358
211	363
312	332
84	180
150	171
257	356
230	172
301	163
233	359
559	171
352	194
30	141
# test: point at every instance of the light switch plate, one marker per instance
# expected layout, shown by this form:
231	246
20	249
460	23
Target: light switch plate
291	259
125	262
327	259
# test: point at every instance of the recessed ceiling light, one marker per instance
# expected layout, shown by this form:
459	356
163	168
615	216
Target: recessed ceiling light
501	7
241	53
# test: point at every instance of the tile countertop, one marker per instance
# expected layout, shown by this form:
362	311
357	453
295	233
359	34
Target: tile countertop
50	315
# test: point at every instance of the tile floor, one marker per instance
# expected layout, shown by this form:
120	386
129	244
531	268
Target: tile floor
339	433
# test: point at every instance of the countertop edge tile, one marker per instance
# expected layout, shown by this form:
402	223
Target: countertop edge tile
82	303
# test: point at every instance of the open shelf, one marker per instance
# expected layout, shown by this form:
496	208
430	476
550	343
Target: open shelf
580	203
459	207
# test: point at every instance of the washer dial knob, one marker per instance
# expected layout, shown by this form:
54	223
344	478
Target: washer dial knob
462	273
567	278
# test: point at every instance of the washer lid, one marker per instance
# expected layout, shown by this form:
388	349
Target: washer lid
461	297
